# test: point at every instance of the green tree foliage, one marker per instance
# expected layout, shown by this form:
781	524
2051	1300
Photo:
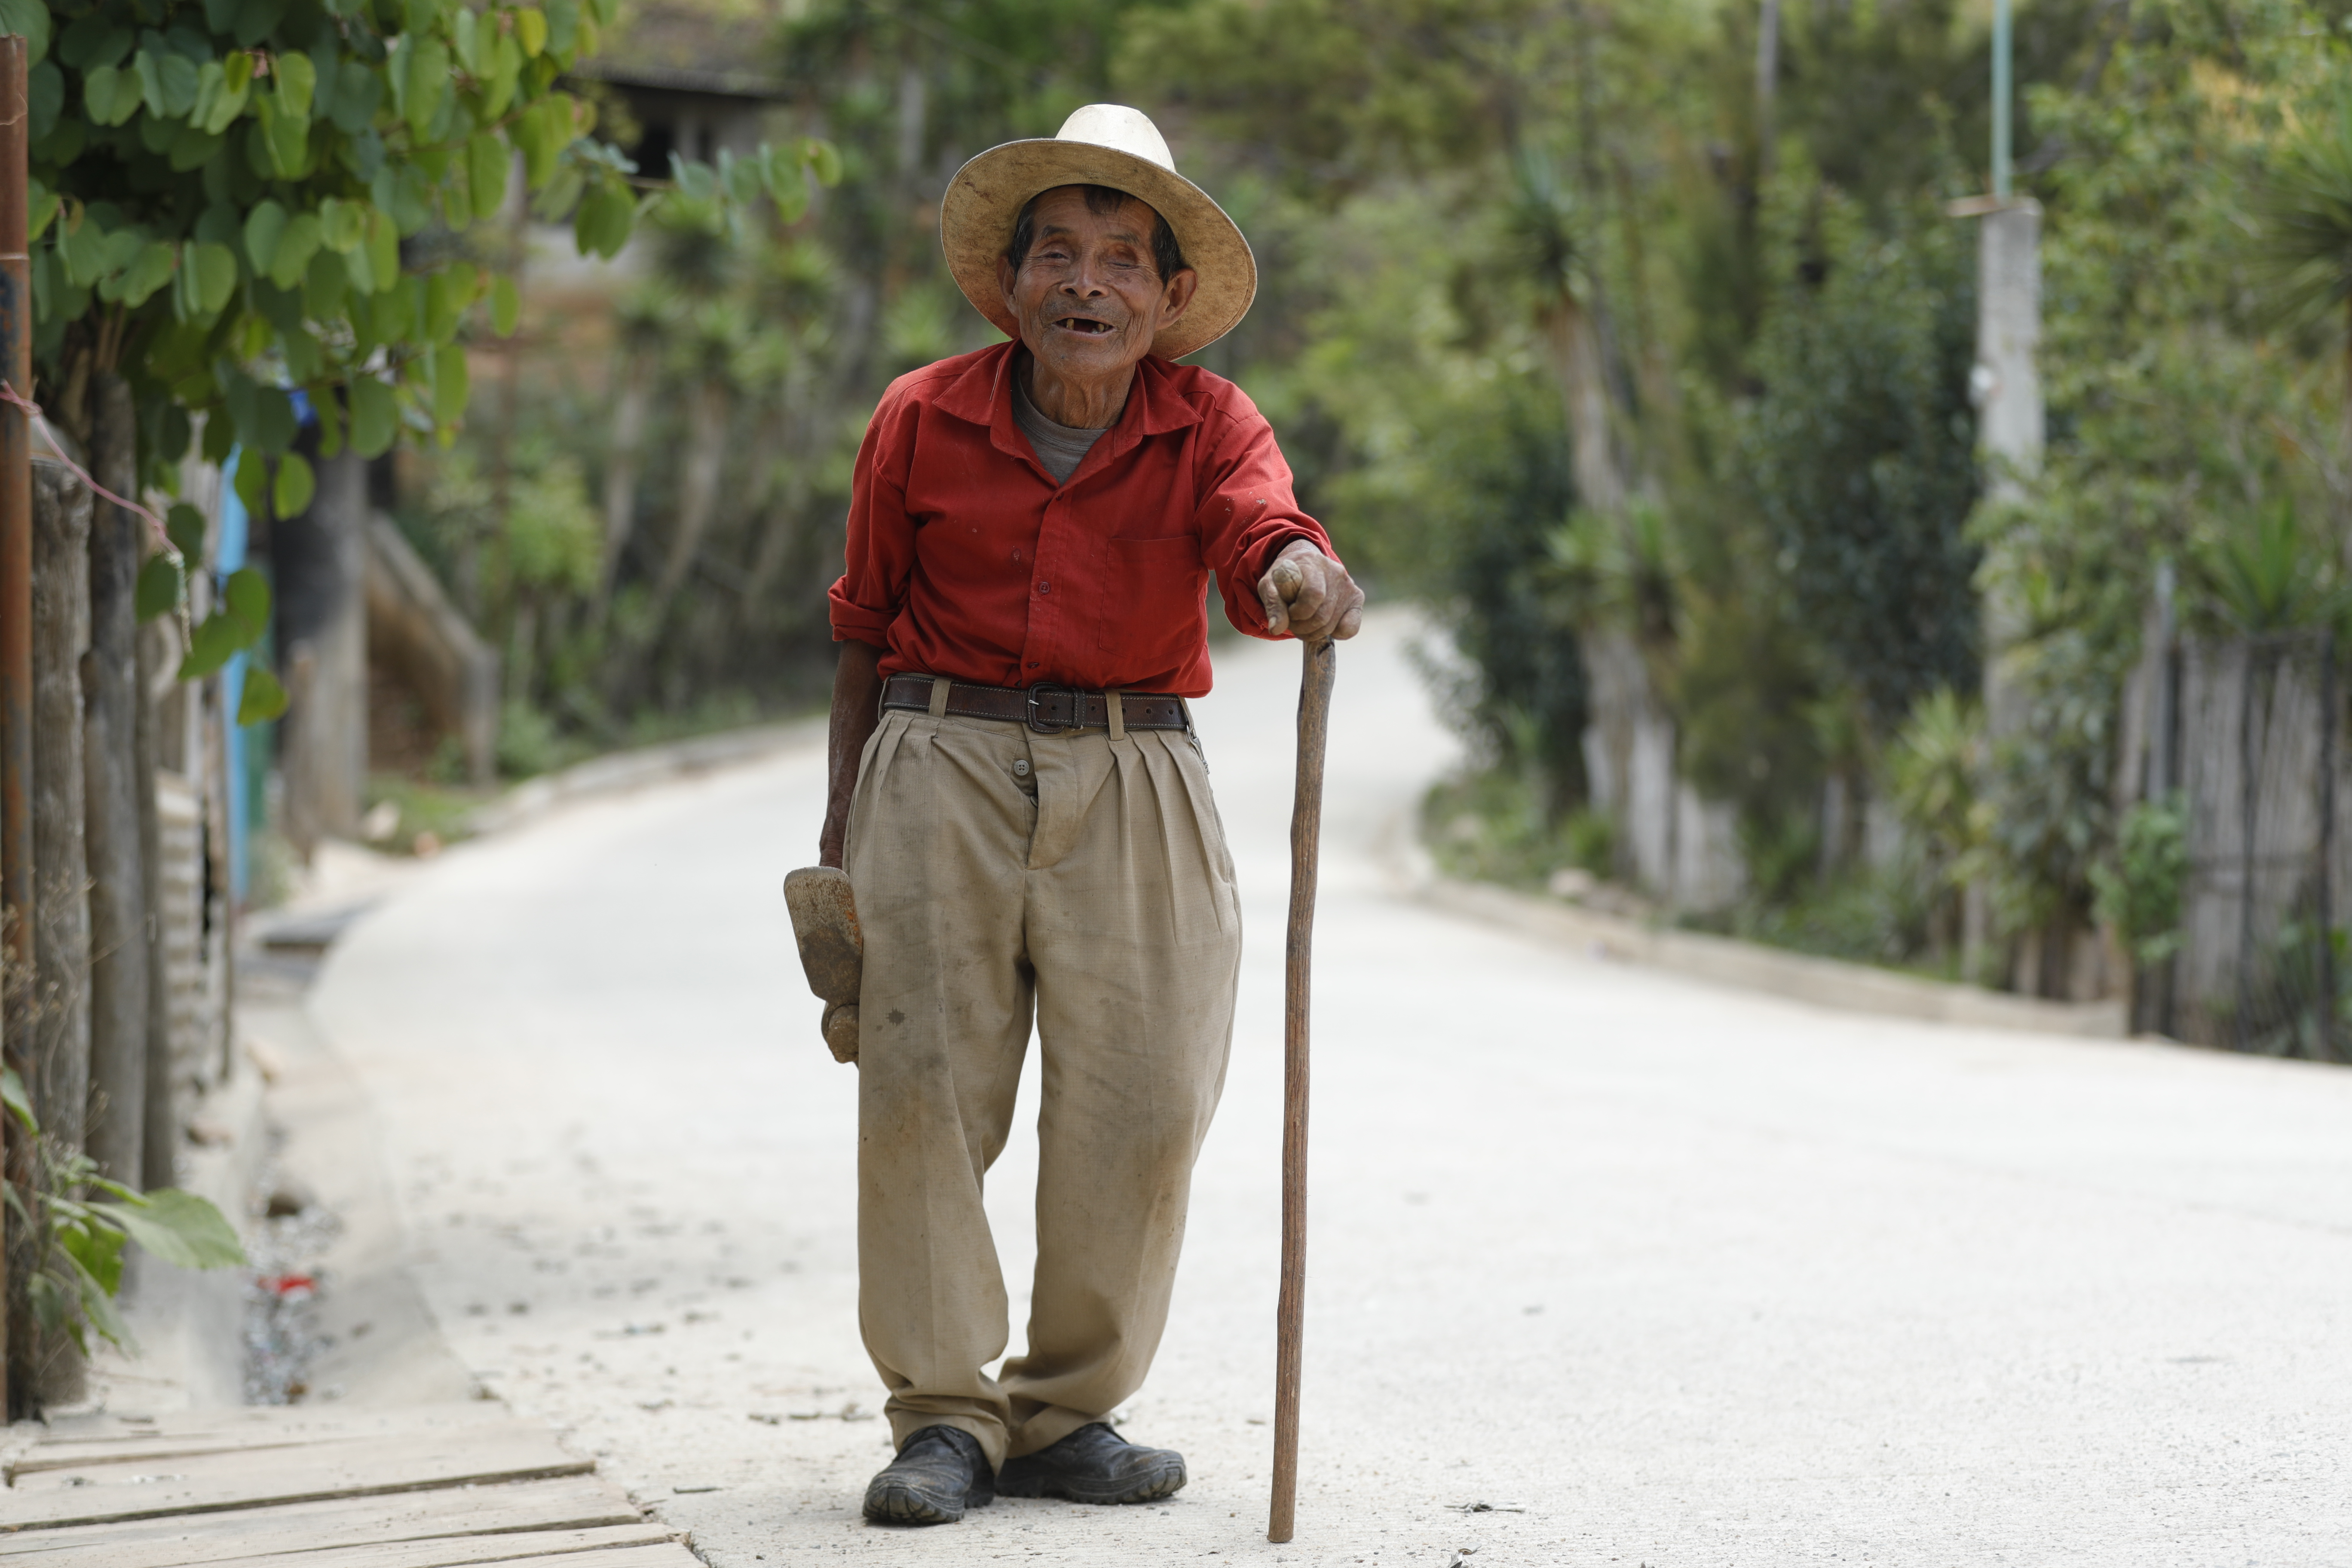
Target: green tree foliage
2184	422
1336	96
224	191
2138	893
237	201
2306	203
1860	453
1784	342
721	443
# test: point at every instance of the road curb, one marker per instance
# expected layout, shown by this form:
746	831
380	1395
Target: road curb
1824	982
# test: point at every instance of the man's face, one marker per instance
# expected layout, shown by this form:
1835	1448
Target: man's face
1087	297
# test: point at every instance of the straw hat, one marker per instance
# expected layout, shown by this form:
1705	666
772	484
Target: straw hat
1101	144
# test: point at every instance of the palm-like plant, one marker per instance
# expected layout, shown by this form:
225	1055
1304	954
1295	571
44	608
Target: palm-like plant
2306	209
2266	575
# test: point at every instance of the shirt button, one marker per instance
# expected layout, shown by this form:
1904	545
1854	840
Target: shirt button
1020	767
1043	586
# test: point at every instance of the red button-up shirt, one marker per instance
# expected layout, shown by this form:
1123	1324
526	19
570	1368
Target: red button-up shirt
967	560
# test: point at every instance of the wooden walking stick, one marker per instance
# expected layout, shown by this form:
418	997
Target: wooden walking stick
1306	837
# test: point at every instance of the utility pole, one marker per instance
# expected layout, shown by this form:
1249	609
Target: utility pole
2005	385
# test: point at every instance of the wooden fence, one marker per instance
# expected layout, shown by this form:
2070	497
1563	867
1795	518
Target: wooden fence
2251	734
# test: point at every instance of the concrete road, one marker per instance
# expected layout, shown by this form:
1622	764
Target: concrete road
1608	1267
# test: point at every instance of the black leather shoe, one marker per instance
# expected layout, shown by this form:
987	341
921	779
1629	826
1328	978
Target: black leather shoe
938	1474
1094	1464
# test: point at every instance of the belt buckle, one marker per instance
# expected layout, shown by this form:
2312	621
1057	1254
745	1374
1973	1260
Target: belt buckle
1039	725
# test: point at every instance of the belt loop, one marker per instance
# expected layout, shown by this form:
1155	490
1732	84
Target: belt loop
1115	710
940	685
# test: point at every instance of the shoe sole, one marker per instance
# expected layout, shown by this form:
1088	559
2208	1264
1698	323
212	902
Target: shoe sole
896	1504
1151	1487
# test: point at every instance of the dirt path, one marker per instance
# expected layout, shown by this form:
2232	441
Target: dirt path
1608	1267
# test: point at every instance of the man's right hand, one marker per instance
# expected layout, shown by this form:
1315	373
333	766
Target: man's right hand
856	710
1310	595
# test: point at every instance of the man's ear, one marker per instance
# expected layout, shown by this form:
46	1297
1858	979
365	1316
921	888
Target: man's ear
1176	296
1004	277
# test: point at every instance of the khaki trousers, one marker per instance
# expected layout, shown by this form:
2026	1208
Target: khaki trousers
1084	877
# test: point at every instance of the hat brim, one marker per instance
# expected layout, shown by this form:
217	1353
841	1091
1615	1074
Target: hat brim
984	200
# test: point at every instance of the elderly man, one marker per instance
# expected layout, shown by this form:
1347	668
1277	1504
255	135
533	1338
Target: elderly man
1022	805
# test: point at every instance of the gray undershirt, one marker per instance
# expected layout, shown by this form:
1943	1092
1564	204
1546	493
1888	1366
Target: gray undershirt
1061	447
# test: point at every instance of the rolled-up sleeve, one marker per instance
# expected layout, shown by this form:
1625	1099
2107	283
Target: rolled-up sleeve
1248	512
872	588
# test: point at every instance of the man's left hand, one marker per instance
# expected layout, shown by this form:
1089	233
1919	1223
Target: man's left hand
1327	604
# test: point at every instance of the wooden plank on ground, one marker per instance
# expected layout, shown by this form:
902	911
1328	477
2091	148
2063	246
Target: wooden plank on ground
567	1503
464	1551
508	1451
111	1440
669	1555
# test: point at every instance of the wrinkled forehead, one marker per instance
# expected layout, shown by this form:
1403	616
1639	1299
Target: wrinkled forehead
1065	208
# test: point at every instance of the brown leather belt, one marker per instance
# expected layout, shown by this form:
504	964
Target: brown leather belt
1048	709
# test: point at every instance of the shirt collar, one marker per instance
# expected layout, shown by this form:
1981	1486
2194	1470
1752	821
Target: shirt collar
983	396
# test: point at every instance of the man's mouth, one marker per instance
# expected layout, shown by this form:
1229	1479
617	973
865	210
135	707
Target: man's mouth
1090	327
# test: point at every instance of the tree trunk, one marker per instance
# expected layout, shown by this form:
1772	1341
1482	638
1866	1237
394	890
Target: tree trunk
61	512
60	1003
118	877
1768	82
630	410
159	1134
322	559
698	497
1573	340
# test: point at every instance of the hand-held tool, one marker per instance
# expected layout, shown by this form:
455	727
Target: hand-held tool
1306	837
833	949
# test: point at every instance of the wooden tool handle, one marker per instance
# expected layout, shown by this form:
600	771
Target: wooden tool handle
1306	840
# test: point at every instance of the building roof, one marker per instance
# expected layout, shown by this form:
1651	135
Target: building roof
723	48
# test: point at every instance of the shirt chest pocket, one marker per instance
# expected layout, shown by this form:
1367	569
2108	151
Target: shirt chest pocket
1156	611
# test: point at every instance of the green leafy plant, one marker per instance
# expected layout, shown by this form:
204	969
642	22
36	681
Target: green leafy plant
236	204
78	1239
1932	773
1627	569
2269	575
1859	455
2137	890
2304	207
